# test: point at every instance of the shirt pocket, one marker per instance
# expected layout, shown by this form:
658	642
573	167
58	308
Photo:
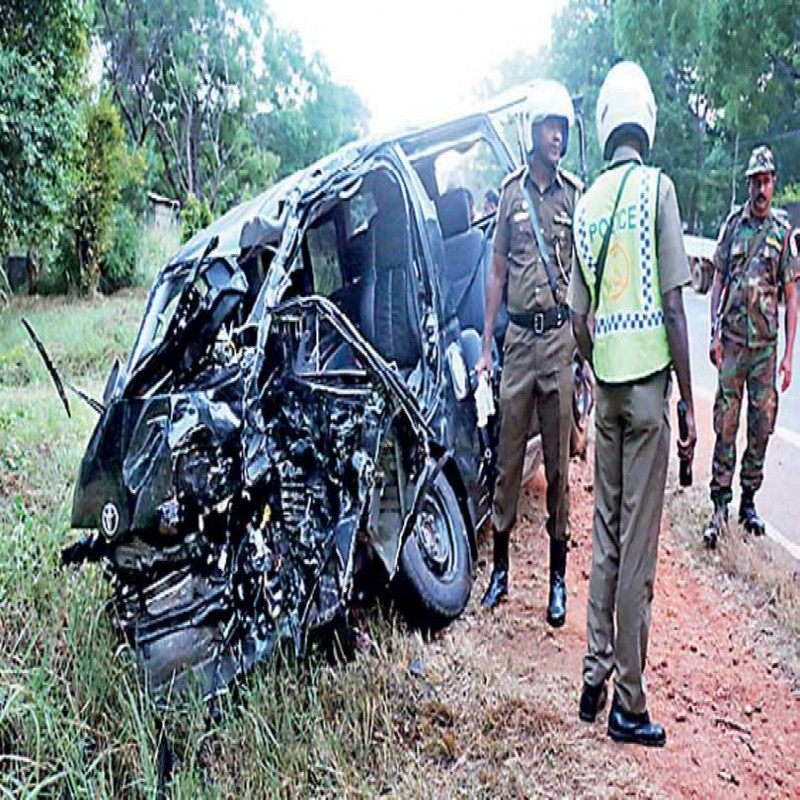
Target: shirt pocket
563	246
522	246
762	313
771	259
738	250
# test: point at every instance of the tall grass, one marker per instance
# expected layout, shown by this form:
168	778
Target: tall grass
82	336
767	572
160	242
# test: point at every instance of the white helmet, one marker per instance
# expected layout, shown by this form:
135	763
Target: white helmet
547	99
625	104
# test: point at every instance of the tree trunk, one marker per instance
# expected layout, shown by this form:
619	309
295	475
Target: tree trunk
699	161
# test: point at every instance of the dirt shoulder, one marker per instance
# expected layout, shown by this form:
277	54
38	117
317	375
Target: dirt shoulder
720	677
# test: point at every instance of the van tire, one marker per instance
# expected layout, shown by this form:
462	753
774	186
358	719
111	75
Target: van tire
434	576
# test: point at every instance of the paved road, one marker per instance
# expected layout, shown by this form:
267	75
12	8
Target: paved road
779	499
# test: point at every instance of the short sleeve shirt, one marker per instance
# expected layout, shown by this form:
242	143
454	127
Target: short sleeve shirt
515	240
673	266
754	277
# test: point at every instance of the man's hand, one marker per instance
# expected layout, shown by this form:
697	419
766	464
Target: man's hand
588	374
715	350
785	369
485	361
686	446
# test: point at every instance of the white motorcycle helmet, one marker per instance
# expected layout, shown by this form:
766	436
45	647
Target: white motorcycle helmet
625	105
547	99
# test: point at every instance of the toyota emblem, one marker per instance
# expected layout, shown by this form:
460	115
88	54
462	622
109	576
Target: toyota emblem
110	519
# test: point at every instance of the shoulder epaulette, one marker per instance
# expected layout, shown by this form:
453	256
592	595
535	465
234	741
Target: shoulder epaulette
782	217
571	179
736	211
515	175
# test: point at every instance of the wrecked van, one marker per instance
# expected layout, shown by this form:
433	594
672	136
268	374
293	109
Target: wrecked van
297	417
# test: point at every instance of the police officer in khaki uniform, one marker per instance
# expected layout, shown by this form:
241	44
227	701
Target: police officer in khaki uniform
533	249
632	266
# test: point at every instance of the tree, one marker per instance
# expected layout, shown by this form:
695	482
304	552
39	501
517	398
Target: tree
718	69
100	171
42	63
666	38
224	97
752	58
582	52
579	55
319	116
517	69
184	77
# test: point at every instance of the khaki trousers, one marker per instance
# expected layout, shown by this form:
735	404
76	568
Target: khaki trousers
537	370
631	454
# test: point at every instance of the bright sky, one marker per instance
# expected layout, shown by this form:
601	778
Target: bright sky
412	61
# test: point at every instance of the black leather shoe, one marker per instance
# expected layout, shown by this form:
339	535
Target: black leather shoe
634	728
557	599
498	584
748	516
593	701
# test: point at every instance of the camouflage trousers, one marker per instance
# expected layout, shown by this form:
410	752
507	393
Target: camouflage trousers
754	368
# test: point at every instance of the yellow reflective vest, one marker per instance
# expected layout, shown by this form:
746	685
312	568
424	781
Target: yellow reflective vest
630	339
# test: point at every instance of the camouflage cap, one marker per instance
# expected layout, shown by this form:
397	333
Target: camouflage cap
761	160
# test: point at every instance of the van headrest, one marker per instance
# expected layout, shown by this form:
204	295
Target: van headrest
454	212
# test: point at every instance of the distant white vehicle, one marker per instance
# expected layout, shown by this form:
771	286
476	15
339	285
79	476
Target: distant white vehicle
701	260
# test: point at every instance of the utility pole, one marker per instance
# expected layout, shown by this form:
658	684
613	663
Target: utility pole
733	171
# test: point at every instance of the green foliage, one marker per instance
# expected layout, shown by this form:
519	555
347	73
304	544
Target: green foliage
583	51
717	68
312	121
42	62
787	194
751	59
223	98
516	69
120	265
195	216
101	170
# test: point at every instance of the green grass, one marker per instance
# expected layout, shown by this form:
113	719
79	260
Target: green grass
82	336
73	718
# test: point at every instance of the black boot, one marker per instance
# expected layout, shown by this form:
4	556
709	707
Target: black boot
634	728
718	523
557	600
498	585
748	516
593	700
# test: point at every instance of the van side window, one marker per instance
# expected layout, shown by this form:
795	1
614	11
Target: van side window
323	251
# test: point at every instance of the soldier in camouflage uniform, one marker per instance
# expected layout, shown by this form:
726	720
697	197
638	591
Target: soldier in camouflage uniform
756	257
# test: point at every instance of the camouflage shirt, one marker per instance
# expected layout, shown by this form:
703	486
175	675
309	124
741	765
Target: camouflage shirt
752	309
514	239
